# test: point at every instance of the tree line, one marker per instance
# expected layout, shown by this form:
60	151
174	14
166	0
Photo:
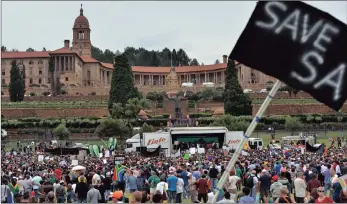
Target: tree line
138	56
143	57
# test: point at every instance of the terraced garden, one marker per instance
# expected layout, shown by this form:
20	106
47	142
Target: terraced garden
101	104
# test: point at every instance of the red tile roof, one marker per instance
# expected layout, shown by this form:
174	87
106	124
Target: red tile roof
136	69
107	65
21	55
182	69
87	58
63	50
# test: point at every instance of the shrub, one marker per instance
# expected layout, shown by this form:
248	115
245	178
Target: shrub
46	93
93	93
63	92
61	132
32	94
147	128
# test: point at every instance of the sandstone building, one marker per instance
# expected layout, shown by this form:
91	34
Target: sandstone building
82	74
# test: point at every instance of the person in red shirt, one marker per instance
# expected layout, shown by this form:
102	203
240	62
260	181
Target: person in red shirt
57	173
322	198
202	188
313	183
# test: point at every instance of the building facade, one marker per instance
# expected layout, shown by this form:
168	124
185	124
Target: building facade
79	73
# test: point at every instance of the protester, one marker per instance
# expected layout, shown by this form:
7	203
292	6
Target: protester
187	180
283	198
322	198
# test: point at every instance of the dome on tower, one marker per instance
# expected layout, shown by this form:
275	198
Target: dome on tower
81	21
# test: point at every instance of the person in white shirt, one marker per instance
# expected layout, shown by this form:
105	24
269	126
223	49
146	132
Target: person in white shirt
179	188
255	183
300	188
226	198
161	186
96	178
233	180
210	196
323	168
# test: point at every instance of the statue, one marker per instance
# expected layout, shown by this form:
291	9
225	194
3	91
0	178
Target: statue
172	79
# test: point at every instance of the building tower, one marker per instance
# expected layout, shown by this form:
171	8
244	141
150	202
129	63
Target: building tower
81	35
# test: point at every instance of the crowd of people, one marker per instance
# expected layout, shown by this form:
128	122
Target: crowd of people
265	176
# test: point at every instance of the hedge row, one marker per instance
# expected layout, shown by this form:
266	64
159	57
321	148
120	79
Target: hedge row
40	131
161	120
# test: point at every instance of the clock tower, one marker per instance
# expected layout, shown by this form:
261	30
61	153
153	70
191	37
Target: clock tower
81	43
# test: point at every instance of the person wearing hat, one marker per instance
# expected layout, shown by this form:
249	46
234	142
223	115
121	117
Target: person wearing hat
117	196
275	188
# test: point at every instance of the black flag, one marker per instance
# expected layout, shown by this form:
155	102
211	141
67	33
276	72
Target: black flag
300	45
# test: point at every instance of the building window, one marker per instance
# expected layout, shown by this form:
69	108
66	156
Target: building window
3	81
3	73
40	62
31	71
66	78
40	72
49	80
40	80
30	81
31	62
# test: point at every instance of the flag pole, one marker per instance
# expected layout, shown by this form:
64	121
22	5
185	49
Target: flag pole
248	133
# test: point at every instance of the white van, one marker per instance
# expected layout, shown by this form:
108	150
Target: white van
255	143
3	133
247	91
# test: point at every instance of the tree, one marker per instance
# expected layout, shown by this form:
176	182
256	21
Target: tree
61	132
155	62
30	50
207	94
235	101
182	57
14	50
58	86
16	88
155	98
51	72
110	127
217	62
122	84
194	62
232	123
3	49
21	96
147	128
44	49
292	124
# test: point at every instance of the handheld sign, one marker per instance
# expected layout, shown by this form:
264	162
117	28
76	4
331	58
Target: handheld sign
300	45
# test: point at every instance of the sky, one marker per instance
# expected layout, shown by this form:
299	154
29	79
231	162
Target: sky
206	30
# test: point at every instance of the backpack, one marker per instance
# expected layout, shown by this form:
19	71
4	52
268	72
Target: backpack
249	182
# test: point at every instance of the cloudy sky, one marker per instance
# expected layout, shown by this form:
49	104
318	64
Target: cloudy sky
205	30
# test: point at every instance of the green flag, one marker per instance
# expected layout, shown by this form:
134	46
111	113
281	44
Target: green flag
91	150
186	156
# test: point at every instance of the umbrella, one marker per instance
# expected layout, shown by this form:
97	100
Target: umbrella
78	168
